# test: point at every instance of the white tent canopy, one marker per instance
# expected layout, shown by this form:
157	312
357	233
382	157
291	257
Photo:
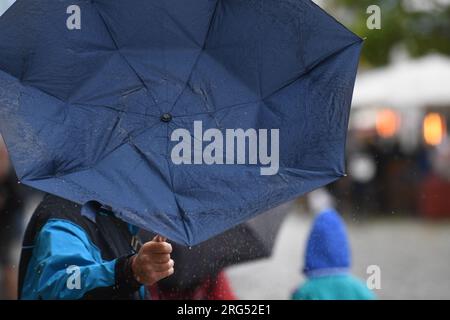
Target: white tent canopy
4	5
409	83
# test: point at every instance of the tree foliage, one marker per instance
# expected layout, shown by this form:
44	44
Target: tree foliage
418	27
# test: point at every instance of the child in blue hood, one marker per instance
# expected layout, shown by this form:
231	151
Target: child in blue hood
327	263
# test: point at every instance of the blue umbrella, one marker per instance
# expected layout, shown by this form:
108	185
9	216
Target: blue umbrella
185	117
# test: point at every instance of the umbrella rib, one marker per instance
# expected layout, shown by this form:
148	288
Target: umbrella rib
287	84
121	54
179	26
144	157
81	105
64	174
231	106
211	20
310	68
85	168
180	209
24	83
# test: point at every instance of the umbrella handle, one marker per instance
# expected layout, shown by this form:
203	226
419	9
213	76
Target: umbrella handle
159	238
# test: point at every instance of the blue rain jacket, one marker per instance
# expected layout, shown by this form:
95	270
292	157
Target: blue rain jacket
328	262
67	255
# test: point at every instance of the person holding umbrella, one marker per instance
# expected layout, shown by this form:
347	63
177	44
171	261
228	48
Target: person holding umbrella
72	252
94	116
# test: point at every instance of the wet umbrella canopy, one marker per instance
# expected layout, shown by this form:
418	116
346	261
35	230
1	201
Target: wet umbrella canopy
96	98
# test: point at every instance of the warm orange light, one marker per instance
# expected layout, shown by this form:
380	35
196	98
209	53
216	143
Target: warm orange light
434	129
387	123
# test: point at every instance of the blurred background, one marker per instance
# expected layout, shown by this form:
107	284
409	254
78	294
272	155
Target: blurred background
396	197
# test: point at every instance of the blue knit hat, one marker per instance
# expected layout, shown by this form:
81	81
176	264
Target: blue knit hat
328	250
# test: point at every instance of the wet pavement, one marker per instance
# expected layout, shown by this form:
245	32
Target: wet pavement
413	256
